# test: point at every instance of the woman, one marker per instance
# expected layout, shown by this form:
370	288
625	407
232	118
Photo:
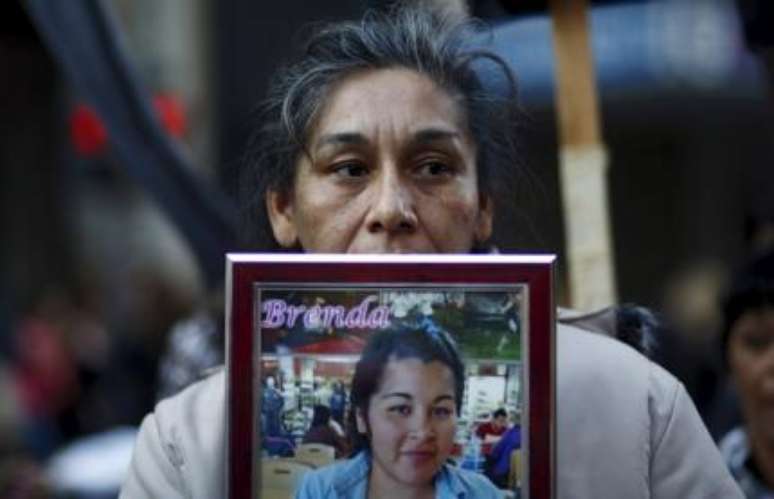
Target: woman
384	139
748	341
406	394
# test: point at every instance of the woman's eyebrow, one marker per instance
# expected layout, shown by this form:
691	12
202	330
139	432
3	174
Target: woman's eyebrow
420	137
442	398
428	135
341	138
397	394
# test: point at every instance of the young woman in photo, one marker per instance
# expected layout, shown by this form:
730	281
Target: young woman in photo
406	396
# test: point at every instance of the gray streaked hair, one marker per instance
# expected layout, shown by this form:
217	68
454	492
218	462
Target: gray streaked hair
430	42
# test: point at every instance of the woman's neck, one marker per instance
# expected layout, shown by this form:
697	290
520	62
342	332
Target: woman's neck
381	486
763	454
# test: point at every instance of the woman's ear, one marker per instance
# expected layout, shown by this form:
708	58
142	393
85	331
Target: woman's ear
279	207
483	229
360	419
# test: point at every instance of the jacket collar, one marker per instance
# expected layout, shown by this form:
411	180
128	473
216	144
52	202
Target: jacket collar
353	479
448	484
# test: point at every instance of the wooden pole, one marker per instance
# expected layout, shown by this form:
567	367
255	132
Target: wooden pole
582	159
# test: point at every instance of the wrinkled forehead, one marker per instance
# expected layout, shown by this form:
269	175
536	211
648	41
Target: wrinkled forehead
397	100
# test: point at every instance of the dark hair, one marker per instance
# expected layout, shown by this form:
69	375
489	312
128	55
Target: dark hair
499	413
321	416
752	288
427	345
416	38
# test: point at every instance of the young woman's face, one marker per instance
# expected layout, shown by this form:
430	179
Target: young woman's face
411	422
751	359
391	169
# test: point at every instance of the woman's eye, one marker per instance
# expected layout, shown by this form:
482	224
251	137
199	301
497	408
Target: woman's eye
403	410
442	412
351	170
758	343
434	169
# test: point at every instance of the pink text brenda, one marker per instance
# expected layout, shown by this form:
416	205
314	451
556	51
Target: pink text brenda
277	314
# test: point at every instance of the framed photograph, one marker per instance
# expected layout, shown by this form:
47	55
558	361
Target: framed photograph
297	325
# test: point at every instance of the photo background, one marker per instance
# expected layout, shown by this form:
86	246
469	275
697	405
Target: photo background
312	362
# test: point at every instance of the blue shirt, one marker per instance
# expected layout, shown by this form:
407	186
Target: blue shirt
349	480
735	448
501	454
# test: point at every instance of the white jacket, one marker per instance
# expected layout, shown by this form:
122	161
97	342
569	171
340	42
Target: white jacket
626	429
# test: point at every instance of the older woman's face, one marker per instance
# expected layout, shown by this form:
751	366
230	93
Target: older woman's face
751	359
411	422
391	170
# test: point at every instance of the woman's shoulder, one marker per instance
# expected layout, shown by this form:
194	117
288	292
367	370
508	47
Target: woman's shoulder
196	414
602	380
180	448
611	397
458	482
346	478
199	397
593	367
593	362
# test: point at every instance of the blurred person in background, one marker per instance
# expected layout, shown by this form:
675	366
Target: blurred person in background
338	402
321	431
56	346
383	139
496	426
491	431
21	472
689	349
45	371
498	463
272	407
748	345
72	388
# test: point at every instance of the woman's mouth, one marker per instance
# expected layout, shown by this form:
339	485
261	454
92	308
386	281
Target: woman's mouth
419	457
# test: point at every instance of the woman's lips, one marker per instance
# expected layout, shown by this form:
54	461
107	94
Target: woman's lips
419	456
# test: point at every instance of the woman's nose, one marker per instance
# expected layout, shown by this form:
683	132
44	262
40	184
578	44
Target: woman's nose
392	211
422	426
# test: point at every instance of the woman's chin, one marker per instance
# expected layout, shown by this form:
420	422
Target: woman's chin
418	474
